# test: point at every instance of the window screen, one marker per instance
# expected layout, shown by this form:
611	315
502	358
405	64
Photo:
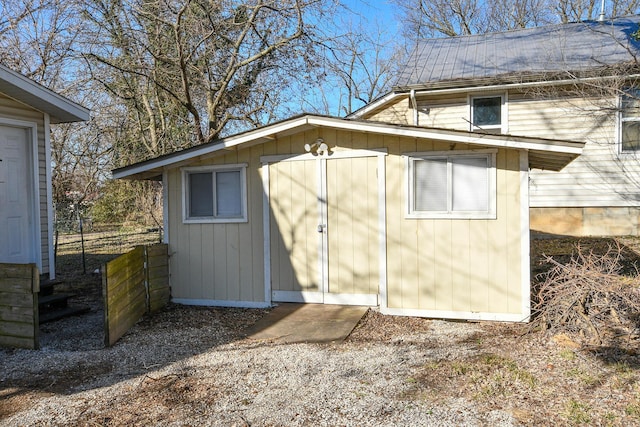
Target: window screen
430	185
470	184
228	194
458	185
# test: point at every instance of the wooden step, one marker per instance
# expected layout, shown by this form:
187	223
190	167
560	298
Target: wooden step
47	286
52	301
51	315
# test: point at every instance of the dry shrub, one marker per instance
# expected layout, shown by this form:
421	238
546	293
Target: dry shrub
589	298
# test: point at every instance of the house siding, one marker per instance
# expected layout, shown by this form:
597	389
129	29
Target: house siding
433	267
17	111
600	178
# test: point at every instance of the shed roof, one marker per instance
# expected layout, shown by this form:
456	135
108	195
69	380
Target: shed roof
25	90
543	153
561	48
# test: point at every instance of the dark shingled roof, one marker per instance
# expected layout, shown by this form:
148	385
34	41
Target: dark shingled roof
558	48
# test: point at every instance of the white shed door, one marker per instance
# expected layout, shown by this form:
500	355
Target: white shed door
324	230
16	222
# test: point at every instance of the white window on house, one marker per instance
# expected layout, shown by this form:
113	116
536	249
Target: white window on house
488	113
451	184
629	124
214	194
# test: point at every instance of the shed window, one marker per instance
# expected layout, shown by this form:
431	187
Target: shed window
215	194
487	113
460	185
630	121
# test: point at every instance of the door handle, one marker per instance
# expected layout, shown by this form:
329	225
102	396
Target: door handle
321	228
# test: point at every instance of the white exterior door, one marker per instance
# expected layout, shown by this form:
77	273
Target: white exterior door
324	228
16	194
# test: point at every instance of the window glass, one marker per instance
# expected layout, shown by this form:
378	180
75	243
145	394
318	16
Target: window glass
215	194
228	194
430	184
470	184
201	194
456	185
487	111
630	121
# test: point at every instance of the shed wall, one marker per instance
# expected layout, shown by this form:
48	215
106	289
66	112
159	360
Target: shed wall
432	265
461	265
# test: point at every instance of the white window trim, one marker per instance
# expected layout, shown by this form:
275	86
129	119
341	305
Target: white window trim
242	167
410	213
504	116
619	121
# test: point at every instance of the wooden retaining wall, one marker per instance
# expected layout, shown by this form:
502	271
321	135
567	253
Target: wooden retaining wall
19	323
134	284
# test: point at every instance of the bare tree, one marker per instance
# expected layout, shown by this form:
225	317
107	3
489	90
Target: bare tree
356	67
449	18
191	70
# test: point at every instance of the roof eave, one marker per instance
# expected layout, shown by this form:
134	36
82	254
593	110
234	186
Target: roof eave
26	91
553	155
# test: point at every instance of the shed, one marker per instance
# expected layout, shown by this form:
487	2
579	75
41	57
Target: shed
418	221
27	111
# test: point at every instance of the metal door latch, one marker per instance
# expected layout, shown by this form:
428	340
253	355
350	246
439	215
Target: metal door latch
321	227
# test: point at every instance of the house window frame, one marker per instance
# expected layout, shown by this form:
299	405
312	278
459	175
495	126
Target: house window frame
621	119
214	169
411	158
502	127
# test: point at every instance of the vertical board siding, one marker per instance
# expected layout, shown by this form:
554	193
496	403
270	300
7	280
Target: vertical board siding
455	265
217	261
19	323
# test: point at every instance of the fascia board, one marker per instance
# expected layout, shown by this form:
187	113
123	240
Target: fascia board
225	143
443	135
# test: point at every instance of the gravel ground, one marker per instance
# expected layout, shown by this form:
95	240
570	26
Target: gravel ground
193	366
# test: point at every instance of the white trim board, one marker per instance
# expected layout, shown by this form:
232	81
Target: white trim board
221	303
456	315
34	202
313	297
49	189
525	267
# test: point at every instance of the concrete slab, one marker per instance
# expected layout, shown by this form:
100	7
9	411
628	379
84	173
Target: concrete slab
307	323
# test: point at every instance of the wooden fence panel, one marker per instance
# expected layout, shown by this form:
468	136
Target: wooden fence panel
158	276
133	284
19	323
124	293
